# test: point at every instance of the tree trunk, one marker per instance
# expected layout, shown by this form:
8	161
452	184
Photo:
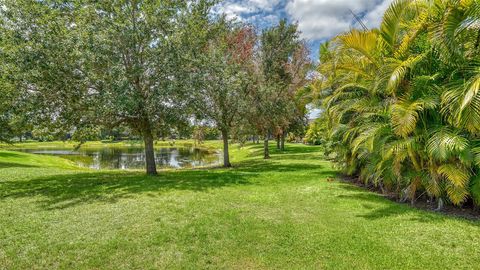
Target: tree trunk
149	153
226	155
439	205
266	152
278	142
282	141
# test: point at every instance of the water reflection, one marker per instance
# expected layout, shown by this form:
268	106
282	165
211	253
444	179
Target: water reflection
133	157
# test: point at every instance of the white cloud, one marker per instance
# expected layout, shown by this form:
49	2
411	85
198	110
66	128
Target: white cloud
241	8
317	19
323	19
235	10
258	12
267	5
374	17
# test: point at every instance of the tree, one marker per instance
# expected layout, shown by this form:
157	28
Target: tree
282	66
402	101
7	106
226	76
316	131
14	106
108	63
298	95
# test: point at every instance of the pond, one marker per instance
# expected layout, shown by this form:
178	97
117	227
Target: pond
132	157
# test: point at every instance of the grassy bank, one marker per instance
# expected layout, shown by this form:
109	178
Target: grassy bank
207	145
276	214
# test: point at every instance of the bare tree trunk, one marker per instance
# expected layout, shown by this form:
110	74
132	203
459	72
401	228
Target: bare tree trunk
282	141
266	152
439	205
149	153
382	189
278	142
226	155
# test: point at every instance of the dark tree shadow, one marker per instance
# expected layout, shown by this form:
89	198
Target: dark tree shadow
371	201
260	165
289	149
5	155
298	157
10	155
4	165
61	191
399	210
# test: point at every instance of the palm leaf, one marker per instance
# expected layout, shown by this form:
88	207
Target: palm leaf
364	42
390	26
456	194
401	70
455	175
444	143
476	153
475	188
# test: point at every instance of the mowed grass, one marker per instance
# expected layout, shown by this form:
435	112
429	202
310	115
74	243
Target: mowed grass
207	145
276	214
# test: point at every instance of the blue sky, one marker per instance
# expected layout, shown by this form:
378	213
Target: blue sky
318	20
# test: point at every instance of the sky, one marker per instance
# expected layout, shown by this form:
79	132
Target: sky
318	20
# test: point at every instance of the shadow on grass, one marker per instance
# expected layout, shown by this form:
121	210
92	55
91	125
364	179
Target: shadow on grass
297	149
399	210
299	157
273	165
391	209
8	155
289	149
4	165
61	191
73	188
380	207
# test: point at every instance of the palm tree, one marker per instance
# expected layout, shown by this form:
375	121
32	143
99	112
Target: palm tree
403	101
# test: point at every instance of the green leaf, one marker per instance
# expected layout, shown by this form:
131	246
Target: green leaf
445	143
455	175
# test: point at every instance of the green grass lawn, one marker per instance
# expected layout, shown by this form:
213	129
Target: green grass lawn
276	214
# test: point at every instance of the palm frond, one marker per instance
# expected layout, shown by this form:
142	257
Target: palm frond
455	175
365	43
400	71
445	143
475	188
390	26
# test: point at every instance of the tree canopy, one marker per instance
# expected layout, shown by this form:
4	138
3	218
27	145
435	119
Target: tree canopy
403	101
109	63
74	69
227	77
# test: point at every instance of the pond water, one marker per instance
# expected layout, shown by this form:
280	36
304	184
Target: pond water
132	157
